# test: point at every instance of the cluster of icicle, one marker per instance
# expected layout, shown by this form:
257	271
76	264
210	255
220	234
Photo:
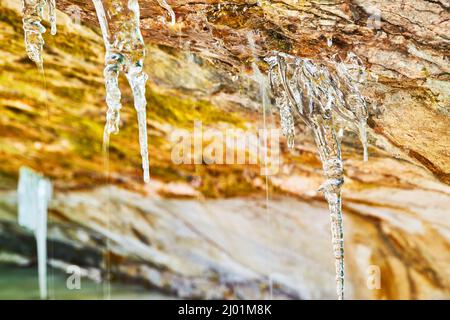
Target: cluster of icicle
34	194
33	13
324	96
125	52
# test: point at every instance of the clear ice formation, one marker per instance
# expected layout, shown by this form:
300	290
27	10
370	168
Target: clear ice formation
351	74
33	11
323	96
125	52
166	6
34	193
330	41
259	77
52	16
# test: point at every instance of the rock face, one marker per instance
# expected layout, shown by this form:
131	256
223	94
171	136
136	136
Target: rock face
208	231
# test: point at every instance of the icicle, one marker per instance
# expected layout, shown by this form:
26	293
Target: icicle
125	52
330	41
137	80
52	15
33	11
34	194
286	116
169	9
287	124
320	95
330	154
350	75
32	17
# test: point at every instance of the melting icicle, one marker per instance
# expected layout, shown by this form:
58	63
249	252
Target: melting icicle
350	75
311	92
169	9
287	120
52	14
125	52
33	11
34	194
330	41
